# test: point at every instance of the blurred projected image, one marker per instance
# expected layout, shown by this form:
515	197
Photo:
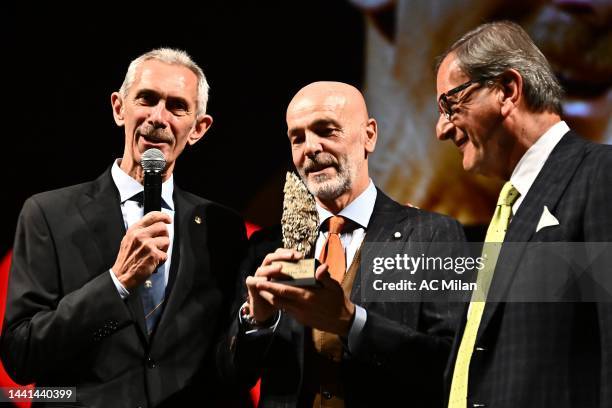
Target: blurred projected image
403	39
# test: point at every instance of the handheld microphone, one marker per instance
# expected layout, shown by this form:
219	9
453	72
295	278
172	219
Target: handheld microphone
153	163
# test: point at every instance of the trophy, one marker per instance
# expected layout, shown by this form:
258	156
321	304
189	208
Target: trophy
300	223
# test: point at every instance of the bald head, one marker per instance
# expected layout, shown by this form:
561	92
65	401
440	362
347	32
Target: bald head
332	96
331	137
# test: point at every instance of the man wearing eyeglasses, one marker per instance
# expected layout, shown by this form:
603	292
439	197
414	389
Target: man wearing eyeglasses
499	103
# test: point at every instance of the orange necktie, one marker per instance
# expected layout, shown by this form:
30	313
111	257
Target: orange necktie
333	253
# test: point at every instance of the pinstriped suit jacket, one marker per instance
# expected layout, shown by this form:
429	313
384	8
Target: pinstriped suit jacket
404	346
549	354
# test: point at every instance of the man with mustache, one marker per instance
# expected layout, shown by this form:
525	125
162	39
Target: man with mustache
124	306
327	347
500	103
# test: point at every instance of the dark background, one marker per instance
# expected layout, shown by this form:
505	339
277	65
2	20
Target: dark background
62	63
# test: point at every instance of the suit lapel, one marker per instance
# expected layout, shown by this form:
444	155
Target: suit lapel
548	187
386	215
101	210
181	270
546	190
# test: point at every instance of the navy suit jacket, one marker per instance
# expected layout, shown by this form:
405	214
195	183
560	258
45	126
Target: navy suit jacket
548	354
66	324
403	347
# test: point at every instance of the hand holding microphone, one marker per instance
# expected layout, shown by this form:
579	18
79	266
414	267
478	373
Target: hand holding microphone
145	244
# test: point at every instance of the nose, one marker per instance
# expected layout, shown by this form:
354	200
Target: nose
158	116
312	144
445	129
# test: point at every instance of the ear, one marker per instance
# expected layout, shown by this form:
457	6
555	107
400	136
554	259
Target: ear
201	126
371	134
511	91
117	104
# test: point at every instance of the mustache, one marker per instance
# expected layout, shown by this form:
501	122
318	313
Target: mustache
154	134
319	162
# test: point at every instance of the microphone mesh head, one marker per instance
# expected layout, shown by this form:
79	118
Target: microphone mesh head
153	159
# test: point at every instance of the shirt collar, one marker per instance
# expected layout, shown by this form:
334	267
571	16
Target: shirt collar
359	210
129	187
533	160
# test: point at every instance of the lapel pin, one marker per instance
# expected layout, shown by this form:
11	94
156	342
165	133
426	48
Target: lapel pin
397	235
198	219
148	284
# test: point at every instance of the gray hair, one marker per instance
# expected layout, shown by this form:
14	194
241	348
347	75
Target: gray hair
493	48
169	56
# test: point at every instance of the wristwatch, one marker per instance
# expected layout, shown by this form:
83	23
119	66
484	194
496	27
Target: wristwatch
246	317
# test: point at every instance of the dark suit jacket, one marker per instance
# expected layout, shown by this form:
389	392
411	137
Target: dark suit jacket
66	324
404	346
557	355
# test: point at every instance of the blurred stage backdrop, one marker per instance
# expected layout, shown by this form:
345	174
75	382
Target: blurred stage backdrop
61	64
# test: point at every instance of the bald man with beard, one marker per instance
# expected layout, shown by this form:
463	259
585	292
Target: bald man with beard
323	345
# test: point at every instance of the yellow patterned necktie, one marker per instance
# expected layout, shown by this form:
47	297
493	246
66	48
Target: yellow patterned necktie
495	235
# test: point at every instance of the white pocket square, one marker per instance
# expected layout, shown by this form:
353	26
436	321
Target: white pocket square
546	220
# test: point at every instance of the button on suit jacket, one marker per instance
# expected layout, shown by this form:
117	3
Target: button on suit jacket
66	324
548	354
403	346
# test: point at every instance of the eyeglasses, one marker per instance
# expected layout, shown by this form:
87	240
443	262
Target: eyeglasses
444	105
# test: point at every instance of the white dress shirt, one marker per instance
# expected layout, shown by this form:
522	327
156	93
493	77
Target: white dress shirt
533	160
531	164
359	211
132	212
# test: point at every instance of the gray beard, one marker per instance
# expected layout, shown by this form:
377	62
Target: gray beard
327	188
